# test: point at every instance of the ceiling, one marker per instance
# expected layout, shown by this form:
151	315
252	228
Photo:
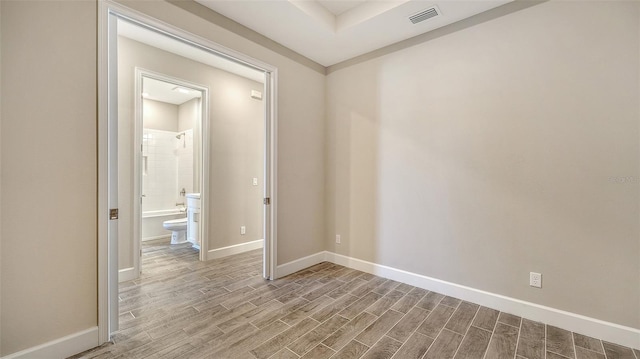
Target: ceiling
332	31
166	43
157	90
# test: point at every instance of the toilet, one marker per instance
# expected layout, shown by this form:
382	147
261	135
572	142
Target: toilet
178	228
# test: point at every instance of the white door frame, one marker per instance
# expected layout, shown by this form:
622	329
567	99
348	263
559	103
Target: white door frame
109	12
137	162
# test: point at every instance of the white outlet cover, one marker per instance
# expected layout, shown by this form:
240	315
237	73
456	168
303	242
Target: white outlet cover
338	239
535	279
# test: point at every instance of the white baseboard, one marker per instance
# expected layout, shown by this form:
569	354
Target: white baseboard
596	328
299	264
234	249
126	274
61	348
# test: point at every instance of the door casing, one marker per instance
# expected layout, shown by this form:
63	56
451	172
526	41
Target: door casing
109	13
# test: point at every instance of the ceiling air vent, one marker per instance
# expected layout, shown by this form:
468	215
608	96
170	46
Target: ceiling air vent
424	15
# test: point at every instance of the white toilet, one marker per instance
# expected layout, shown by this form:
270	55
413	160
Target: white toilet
178	228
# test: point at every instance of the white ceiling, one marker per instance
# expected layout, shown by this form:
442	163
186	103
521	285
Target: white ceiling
174	46
338	7
157	90
331	31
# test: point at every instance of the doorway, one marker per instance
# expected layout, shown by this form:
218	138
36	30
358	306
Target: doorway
112	17
171	164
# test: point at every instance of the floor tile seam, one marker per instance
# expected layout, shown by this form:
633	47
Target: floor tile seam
558	354
434	340
416	328
445	296
459	344
515	353
589	350
604	351
370	347
471	322
323	339
356	335
291	351
573	344
545	340
511	325
493	332
448	319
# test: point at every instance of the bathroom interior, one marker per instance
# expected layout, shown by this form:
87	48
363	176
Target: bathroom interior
191	145
170	192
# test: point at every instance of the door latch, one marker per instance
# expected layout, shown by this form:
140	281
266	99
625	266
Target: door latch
113	214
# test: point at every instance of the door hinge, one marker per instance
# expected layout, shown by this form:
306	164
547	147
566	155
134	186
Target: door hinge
113	213
140	252
267	201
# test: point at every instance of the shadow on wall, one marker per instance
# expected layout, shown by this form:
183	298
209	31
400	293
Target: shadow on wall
353	174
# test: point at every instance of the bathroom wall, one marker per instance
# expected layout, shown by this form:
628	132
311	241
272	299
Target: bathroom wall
188	114
235	137
189	122
160	115
507	147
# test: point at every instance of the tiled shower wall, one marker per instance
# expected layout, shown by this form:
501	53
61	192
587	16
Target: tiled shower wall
184	151
167	167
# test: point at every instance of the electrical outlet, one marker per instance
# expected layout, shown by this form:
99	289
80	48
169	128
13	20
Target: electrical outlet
338	239
535	279
243	230
255	181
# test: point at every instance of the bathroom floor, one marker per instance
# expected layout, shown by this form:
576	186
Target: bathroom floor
182	308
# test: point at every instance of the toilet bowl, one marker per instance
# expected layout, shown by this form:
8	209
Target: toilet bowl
178	228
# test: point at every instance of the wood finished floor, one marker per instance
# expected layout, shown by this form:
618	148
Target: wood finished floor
183	308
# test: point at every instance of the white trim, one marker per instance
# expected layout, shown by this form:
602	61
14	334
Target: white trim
300	264
235	249
103	169
592	327
596	328
127	274
203	140
107	249
61	348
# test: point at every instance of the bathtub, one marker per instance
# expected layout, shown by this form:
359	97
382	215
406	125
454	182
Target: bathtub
152	223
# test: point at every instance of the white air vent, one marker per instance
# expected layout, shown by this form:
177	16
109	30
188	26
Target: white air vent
424	15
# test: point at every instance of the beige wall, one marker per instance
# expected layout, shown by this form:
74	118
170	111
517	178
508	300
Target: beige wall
236	144
497	150
0	180
188	113
300	130
48	148
159	115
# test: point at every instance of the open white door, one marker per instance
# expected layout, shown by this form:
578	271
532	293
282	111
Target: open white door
107	176
112	134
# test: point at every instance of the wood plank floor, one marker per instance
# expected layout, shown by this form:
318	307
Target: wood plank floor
183	308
